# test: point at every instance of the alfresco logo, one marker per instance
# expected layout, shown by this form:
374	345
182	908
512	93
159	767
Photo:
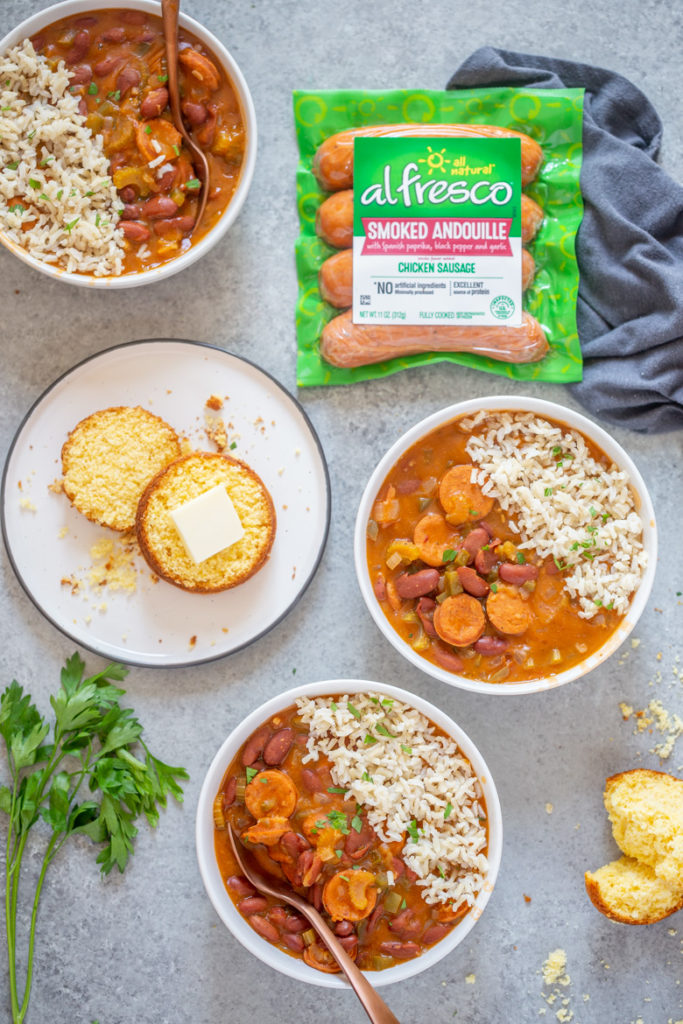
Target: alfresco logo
413	190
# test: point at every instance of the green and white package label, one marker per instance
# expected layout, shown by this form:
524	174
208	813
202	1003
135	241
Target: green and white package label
437	231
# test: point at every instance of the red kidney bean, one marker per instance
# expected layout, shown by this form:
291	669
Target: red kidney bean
446	658
114	35
316	895
293	942
510	572
406	924
485	526
350	943
294	844
81	75
240	886
408	486
425	611
373	920
82	108
159	206
168	226
472	582
400	950
294	923
311	781
195	113
254	746
133	17
153	103
79	47
309	866
380	587
166	180
435	933
397	866
475	540
278	915
145	37
38	43
252	905
107	66
134	230
490	645
207	131
229	791
277	747
265	928
130	212
484	561
344	928
86	21
410	874
127	79
417	584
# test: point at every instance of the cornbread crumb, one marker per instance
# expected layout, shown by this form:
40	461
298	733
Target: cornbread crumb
549	808
64	532
27	505
470	979
214	402
635	643
626	710
57	486
554	968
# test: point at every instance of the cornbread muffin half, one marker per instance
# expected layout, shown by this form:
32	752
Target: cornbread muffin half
630	892
185	479
109	458
646	811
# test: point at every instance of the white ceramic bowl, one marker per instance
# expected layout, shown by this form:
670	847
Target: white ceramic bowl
214	883
69	7
542	408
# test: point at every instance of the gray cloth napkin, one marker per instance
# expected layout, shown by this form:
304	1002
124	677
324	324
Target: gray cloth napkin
629	245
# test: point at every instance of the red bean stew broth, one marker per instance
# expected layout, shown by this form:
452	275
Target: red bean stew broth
302	818
117	62
519	579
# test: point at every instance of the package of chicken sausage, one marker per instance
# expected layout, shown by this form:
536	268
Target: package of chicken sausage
438	226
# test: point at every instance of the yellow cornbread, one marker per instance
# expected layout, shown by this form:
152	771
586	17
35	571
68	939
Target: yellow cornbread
109	458
630	892
646	811
187	478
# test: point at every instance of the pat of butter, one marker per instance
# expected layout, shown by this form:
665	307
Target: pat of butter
208	524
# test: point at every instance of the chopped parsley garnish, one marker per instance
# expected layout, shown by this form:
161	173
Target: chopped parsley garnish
369	740
338	853
148	130
448	555
593	512
97	220
405	749
403	905
233	446
494	588
13	166
43	196
366	777
557	450
176	150
33	183
72	224
387	703
448	811
193	183
574	545
17	208
60	193
559	565
548	491
383	731
413	831
441	871
162	78
114	95
251	772
356	823
46	161
520	557
354	711
338	821
333	706
610	606
336	789
597	602
31	134
92	89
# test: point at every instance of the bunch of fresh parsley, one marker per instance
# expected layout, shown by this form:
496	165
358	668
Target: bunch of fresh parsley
84	779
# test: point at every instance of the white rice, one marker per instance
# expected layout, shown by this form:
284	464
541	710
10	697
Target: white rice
413	779
566	505
53	171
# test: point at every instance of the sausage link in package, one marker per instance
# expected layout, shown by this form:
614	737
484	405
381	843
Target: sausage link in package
438	226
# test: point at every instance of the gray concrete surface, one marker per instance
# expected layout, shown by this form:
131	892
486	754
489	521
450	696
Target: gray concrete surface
147	947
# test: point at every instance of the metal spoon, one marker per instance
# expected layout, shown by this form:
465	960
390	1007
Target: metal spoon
375	1007
169	14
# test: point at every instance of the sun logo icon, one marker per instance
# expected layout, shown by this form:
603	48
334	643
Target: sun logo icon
436	161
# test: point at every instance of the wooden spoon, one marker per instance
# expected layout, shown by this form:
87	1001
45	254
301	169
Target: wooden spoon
375	1007
169	14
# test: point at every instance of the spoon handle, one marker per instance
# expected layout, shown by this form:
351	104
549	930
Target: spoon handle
373	1004
169	14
